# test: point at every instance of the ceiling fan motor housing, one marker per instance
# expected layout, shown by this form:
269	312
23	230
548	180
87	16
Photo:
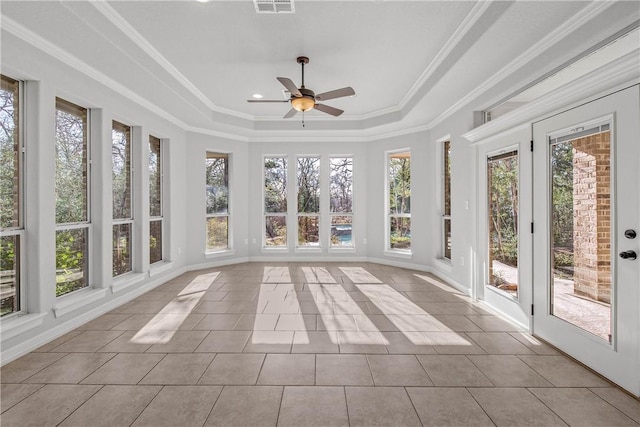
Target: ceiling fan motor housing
305	102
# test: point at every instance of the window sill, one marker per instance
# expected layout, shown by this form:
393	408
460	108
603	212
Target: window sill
278	250
216	254
398	253
19	324
345	250
73	302
160	267
126	281
443	264
311	250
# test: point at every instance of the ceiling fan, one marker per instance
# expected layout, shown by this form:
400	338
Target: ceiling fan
303	99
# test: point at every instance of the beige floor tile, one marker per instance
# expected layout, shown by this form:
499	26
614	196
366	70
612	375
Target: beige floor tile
224	342
622	401
336	322
71	369
316	307
512	407
456	323
179	342
134	322
499	343
209	307
124	369
213	296
397	370
380	406
128	342
48	406
313	406
246	406
113	405
447	407
172	322
240	296
256	322
56	342
282	307
453	371
407	343
104	322
494	324
315	342
88	341
343	369
563	372
12	394
269	342
447	307
296	322
220	322
233	369
362	342
288	369
535	345
508	371
375	323
179	369
452	343
420	323
27	365
579	406
179	406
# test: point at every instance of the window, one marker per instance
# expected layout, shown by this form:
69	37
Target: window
217	190
308	201
399	196
72	197
122	206
155	200
502	179
446	200
11	195
275	202
341	201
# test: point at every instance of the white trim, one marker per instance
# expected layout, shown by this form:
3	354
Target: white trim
450	281
398	253
504	134
74	322
160	267
308	249
443	264
213	264
275	249
127	280
218	254
342	250
620	71
19	324
504	315
76	300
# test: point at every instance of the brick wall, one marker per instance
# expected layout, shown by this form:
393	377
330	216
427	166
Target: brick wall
592	216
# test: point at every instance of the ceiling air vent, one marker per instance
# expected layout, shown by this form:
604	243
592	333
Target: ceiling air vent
274	6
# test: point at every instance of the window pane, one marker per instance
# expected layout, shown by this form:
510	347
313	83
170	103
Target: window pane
9	275
9	155
447	177
217	233
275	184
275	231
71	163
308	231
71	260
447	237
400	233
400	183
121	170
217	178
341	184
502	181
341	231
155	176
308	184
155	241
121	249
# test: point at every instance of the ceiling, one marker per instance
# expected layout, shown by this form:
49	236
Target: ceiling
410	62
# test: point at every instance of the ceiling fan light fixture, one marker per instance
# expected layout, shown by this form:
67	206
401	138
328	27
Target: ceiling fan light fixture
303	103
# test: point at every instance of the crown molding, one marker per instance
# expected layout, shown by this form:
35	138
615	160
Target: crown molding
589	12
620	71
62	55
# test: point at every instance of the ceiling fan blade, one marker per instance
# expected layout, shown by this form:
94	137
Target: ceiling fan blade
291	113
267	100
329	110
338	93
291	87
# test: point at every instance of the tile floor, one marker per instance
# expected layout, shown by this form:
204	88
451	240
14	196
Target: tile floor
323	344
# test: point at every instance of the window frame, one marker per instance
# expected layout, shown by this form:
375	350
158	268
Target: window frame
330	246
227	215
160	218
445	214
117	126
67	106
19	231
318	215
388	215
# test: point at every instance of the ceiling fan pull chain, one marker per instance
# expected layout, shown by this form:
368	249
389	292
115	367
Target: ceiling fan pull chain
303	119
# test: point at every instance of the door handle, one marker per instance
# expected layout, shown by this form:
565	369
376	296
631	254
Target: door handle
630	255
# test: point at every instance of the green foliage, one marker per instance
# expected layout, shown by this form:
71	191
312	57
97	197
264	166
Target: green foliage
562	193
70	261
503	209
275	185
399	185
217	179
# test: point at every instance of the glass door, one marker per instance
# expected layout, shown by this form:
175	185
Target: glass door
585	185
